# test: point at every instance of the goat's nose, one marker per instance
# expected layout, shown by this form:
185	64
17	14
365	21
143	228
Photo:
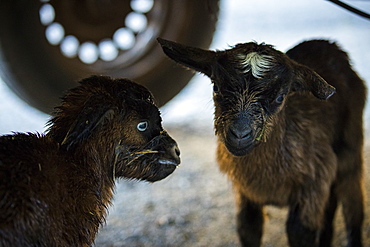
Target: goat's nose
240	132
175	153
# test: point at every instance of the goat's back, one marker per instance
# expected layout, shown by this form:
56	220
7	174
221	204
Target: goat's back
333	64
35	181
342	113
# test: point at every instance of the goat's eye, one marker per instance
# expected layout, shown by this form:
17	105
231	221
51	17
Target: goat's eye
279	99
142	126
215	88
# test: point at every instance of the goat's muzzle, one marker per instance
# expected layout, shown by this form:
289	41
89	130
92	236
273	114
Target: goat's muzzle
167	158
240	136
168	150
153	162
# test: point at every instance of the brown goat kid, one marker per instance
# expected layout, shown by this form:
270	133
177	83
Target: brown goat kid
55	188
284	137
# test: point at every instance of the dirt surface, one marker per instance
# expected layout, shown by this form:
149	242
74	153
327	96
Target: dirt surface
194	206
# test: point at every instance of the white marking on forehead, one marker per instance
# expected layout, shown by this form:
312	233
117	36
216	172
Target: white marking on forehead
258	64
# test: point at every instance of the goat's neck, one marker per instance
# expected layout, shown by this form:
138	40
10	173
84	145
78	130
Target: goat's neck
96	158
275	138
263	161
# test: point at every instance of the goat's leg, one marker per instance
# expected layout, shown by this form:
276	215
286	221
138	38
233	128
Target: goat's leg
249	222
300	235
350	192
353	209
326	234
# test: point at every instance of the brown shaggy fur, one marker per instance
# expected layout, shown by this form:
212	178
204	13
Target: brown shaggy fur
289	130
55	188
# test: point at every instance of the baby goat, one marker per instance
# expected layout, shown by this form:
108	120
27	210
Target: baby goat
280	142
55	188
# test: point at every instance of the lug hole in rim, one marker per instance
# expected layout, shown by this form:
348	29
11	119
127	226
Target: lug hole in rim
123	39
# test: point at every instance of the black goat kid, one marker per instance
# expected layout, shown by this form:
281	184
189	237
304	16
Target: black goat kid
281	140
55	188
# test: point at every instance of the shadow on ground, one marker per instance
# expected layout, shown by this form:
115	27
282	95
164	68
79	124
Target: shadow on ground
194	206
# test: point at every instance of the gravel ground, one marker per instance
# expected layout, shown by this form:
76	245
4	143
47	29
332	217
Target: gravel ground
192	207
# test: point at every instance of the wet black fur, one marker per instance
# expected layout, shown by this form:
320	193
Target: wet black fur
292	137
55	188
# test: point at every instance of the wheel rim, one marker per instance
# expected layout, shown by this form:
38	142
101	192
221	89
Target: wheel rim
100	44
39	72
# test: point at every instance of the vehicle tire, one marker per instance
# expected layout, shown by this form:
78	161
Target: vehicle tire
39	71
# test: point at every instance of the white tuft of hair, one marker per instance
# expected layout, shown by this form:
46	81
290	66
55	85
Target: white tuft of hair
258	64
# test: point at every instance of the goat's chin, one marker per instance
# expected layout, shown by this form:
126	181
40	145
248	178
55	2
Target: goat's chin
161	173
239	149
161	170
148	171
239	152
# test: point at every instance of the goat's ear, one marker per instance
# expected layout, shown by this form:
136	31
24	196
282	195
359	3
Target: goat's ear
92	116
308	80
191	57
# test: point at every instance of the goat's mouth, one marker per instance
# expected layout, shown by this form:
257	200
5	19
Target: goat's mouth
157	160
239	147
242	135
242	145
